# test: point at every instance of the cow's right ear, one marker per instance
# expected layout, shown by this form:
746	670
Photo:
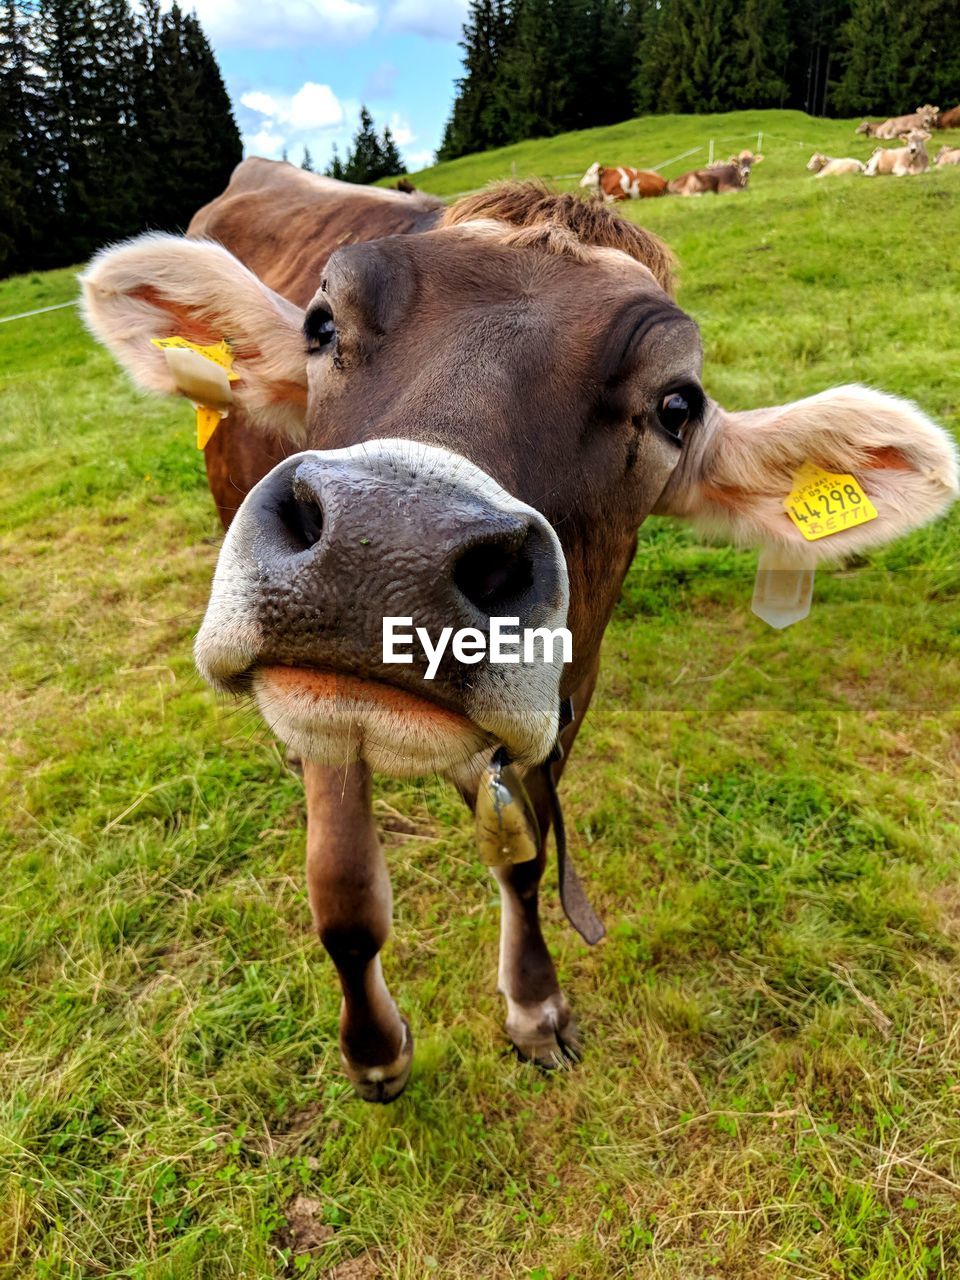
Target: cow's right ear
160	286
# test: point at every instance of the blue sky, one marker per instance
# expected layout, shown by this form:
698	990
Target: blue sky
298	70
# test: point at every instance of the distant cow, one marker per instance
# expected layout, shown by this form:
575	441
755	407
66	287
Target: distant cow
822	166
623	183
948	119
903	161
948	155
923	118
720	179
404	185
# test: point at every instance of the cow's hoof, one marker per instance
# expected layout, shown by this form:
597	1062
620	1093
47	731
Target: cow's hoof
546	1034
385	1083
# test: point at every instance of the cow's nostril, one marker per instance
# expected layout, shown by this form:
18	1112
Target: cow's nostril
303	520
495	576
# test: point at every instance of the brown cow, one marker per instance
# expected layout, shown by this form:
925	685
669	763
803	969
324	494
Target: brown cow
484	408
947	155
923	118
948	119
623	183
720	179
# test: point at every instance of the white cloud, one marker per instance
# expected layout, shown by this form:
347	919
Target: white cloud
273	23
428	18
313	116
266	144
403	135
262	103
312	107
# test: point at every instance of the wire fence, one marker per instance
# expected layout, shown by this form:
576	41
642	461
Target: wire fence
24	315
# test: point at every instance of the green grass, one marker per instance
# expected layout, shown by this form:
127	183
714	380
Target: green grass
769	824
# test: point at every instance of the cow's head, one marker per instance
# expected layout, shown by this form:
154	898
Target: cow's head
592	177
816	162
485	413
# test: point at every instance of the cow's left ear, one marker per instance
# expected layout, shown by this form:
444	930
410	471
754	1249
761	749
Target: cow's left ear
160	286
737	470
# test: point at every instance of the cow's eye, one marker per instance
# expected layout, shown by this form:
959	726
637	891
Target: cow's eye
675	411
319	330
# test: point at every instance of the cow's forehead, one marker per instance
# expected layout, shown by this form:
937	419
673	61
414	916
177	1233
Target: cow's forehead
524	249
496	231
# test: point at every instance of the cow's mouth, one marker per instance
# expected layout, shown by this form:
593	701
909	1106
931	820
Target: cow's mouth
333	718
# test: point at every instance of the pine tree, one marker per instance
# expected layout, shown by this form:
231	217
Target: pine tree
761	51
391	161
22	193
307	161
335	168
117	191
66	50
897	57
477	121
364	162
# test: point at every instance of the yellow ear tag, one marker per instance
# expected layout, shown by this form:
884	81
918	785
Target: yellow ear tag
207	422
203	374
823	503
220	353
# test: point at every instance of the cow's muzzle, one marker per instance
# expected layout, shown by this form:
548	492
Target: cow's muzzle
332	542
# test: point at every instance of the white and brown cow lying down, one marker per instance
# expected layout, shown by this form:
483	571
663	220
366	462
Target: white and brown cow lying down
901	162
924	117
454	414
623	183
948	155
822	166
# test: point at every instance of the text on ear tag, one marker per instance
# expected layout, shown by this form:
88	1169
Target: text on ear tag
822	503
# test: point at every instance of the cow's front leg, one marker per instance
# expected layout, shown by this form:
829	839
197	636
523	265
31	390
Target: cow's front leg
352	906
539	1021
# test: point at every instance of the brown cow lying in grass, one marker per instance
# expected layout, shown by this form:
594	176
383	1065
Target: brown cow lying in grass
721	178
948	155
718	179
923	118
948	119
454	416
824	167
903	161
623	183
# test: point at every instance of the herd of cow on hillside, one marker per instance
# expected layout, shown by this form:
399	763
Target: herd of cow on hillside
724	177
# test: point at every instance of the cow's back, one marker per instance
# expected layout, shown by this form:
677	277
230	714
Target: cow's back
284	223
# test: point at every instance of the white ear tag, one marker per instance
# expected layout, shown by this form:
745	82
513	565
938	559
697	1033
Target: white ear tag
200	379
783	590
203	374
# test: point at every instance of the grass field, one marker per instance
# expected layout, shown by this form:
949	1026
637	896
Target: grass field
770	825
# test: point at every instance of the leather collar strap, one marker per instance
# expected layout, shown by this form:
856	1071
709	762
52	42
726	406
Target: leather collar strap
576	905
